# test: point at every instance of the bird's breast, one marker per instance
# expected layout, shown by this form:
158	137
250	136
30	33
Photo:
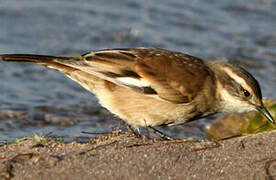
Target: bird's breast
139	110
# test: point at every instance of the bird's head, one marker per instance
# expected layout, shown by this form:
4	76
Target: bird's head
238	91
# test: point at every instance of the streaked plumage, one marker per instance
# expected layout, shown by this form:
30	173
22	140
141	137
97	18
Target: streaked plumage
152	87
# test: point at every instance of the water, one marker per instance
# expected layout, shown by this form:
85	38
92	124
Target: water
36	100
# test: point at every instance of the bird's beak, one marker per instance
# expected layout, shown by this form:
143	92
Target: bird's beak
265	112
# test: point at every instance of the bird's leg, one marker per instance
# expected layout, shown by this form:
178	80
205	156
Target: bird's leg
135	131
159	133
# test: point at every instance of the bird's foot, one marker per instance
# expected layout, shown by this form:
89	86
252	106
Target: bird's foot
160	133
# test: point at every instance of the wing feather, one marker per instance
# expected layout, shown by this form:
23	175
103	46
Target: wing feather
171	76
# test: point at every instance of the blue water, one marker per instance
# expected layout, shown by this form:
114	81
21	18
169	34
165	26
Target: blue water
36	100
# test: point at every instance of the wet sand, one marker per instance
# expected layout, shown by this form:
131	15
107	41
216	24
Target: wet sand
124	156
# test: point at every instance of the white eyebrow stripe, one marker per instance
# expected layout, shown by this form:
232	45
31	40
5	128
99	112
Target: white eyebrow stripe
237	78
132	82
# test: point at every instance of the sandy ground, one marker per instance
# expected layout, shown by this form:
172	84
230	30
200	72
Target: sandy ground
123	156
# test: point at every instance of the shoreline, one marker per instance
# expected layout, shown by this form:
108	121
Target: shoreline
124	156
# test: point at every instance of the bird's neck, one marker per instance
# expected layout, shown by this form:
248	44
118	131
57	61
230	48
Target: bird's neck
222	83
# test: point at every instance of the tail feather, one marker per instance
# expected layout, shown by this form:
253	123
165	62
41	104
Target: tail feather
31	58
49	61
59	63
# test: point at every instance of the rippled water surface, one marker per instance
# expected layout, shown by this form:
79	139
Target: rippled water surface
37	100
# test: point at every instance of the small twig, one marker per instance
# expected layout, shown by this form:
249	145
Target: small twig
94	133
137	145
231	137
208	147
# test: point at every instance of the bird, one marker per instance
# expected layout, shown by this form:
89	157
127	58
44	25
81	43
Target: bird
151	87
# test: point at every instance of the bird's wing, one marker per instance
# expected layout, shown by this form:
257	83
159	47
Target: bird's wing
171	76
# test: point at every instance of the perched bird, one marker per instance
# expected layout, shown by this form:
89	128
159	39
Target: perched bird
149	87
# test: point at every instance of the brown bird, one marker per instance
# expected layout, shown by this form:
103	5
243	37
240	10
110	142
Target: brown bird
149	87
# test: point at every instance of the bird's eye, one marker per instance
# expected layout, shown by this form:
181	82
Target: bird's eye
246	93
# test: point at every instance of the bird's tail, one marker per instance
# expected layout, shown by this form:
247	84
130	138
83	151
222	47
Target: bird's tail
34	58
62	64
56	62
